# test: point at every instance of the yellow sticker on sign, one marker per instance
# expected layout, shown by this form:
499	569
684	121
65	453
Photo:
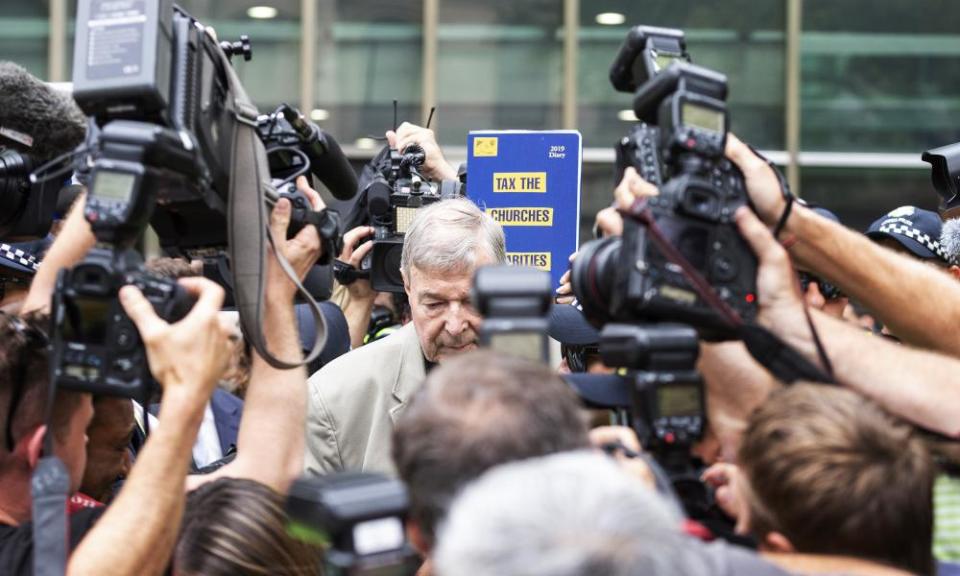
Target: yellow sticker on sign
484	146
520	182
522	216
539	260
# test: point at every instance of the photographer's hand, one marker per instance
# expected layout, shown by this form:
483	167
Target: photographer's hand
623	437
778	291
187	358
631	187
301	251
270	442
725	478
763	187
565	293
436	166
360	295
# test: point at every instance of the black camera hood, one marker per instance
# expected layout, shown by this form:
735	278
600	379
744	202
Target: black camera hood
679	76
626	73
945	174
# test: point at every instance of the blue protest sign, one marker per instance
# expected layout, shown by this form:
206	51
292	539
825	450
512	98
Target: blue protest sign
529	182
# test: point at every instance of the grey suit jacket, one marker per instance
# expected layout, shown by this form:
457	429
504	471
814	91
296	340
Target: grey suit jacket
354	401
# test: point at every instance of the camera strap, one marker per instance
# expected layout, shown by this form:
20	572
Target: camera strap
785	363
250	177
49	491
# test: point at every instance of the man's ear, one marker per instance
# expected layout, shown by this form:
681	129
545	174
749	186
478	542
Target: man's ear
955	271
35	445
406	282
777	542
416	538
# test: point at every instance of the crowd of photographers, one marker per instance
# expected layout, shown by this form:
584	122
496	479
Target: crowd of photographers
380	433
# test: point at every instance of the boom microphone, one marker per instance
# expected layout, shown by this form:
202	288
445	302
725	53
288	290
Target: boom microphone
327	161
35	118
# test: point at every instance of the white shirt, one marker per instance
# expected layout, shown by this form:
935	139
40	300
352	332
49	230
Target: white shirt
206	450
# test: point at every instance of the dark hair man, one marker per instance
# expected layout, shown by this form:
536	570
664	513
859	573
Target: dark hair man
474	412
825	472
355	400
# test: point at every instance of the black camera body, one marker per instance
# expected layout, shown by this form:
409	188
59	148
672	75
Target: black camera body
96	347
679	147
26	209
393	198
359	517
515	303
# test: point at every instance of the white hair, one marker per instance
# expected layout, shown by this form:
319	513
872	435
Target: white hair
950	240
447	235
569	514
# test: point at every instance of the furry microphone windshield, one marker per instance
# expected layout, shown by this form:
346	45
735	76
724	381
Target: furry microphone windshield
35	118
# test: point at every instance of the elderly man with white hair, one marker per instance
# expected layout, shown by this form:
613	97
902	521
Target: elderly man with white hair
355	400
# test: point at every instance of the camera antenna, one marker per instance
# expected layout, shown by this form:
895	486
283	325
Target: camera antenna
430	117
394	114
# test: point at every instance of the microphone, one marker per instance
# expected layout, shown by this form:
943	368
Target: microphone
327	161
950	240
36	119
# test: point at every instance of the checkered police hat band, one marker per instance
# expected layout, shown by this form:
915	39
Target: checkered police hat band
931	244
18	256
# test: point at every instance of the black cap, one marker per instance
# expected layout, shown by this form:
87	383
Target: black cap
569	326
915	229
338	334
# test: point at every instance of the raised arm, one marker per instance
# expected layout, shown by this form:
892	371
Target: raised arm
917	385
919	303
138	531
70	246
270	443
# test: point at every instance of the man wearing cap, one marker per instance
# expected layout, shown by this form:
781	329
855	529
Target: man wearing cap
912	231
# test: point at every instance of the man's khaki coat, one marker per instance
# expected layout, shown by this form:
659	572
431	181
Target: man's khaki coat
355	400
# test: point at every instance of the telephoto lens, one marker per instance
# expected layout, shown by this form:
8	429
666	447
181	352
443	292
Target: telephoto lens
594	279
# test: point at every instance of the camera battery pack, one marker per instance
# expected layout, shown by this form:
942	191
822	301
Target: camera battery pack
121	61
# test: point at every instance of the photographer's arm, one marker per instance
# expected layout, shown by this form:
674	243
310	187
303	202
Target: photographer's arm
919	386
917	302
138	531
69	248
358	303
436	166
270	443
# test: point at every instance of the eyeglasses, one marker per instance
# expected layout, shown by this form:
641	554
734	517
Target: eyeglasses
33	338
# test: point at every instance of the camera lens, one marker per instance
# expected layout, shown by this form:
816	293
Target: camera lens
14	183
593	277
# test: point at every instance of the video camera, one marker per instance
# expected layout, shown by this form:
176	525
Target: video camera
688	229
358	518
393	197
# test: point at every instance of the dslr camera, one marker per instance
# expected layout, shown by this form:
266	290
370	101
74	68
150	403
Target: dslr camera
393	197
678	146
358	518
95	346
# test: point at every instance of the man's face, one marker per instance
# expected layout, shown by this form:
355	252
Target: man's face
108	447
446	322
73	450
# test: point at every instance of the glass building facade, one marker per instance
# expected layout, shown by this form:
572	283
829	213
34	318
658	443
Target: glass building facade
844	95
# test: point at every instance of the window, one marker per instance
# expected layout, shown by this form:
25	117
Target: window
500	66
743	39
